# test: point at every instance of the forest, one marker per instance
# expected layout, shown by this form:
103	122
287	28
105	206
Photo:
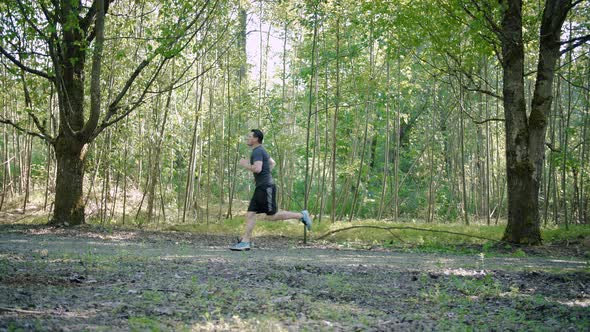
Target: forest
136	111
441	147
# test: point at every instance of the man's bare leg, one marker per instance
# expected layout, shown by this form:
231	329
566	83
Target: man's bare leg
250	223
284	215
281	215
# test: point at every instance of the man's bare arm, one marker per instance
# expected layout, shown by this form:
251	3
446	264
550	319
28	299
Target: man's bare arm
272	163
256	168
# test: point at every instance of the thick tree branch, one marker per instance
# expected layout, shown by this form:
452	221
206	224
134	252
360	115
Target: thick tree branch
487	92
89	17
92	122
114	104
586	37
112	111
552	148
40	126
55	5
25	68
87	20
574	43
575	3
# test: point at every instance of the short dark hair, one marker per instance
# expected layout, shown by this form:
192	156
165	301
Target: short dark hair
258	134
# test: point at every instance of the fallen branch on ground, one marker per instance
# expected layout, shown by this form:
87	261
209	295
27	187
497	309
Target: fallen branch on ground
407	227
21	311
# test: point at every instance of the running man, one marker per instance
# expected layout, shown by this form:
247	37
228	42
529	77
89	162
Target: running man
264	199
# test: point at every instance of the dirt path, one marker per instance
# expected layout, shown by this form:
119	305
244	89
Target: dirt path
72	280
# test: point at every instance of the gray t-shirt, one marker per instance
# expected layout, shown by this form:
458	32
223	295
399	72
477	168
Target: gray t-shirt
263	178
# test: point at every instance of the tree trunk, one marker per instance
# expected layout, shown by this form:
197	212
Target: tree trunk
386	148
311	101
74	133
431	144
525	138
398	136
487	153
368	105
565	143
190	177
584	150
462	143
69	205
335	121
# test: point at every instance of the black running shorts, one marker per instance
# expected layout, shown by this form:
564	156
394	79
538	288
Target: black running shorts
264	200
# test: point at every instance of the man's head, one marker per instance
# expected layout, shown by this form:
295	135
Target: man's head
255	137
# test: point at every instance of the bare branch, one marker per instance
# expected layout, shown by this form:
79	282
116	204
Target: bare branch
112	111
552	148
574	84
113	106
574	43
479	121
25	68
487	92
138	70
404	228
39	126
575	3
586	37
19	128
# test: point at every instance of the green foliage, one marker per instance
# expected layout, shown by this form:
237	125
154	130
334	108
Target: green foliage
398	68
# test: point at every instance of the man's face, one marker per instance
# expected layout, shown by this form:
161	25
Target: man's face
251	140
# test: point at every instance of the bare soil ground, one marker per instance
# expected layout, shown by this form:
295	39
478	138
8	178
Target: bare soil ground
92	279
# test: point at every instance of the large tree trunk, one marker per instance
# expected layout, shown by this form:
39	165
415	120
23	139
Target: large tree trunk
69	205
525	137
74	133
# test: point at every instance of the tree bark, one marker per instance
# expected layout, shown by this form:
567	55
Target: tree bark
335	120
462	143
69	205
525	137
386	147
74	134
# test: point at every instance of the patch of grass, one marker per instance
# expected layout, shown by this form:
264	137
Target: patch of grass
343	313
480	287
336	282
436	294
144	323
559	233
519	253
